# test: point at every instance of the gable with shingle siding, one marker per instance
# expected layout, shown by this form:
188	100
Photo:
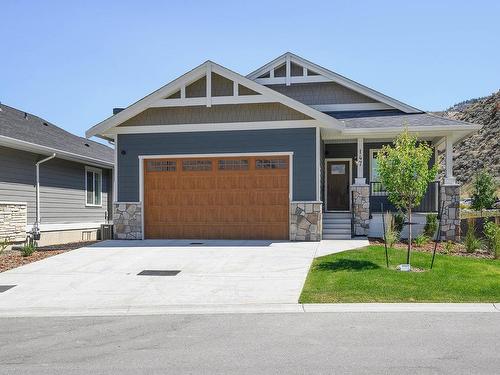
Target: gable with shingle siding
216	114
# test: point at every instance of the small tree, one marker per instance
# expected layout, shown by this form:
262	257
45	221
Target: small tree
404	172
484	195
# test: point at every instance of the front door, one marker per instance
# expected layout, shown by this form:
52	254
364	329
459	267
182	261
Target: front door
337	185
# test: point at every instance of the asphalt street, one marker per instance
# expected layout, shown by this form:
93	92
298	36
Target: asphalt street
310	343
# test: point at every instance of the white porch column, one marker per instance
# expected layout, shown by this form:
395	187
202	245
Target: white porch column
360	180
449	179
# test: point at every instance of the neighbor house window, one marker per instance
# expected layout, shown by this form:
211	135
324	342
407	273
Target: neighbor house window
93	187
376	185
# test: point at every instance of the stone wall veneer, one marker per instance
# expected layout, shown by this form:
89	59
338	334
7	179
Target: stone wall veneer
127	220
450	222
13	221
306	220
361	209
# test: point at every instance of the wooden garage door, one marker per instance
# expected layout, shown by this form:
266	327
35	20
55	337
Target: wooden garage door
217	198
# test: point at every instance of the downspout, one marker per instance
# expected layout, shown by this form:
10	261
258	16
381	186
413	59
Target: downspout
36	226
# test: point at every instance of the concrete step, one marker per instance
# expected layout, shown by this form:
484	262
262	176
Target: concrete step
337	215
337	226
336	221
336	237
337	231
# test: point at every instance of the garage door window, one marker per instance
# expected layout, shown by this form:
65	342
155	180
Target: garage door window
161	166
233	165
197	165
271	164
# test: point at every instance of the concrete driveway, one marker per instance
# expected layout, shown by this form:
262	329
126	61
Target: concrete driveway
103	277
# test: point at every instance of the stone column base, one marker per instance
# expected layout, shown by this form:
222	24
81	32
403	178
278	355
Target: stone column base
361	209
450	221
13	221
127	220
306	220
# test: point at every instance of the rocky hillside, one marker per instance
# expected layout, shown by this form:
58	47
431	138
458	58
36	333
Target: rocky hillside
481	150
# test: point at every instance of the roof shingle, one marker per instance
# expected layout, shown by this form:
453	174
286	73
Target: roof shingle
26	127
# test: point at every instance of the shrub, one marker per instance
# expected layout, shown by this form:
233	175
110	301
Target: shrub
431	225
3	244
28	249
471	242
484	195
449	246
391	237
399	222
492	234
421	240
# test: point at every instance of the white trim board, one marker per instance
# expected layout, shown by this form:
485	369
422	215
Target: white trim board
206	127
333	77
326	182
216	155
102	129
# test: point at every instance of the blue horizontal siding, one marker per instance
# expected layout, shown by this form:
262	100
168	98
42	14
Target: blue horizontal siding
302	142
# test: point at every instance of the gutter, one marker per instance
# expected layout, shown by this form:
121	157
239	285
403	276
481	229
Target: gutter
36	226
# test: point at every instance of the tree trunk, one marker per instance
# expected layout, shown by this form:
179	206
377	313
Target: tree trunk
409	235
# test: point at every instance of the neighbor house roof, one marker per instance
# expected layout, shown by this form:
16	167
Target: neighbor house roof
22	130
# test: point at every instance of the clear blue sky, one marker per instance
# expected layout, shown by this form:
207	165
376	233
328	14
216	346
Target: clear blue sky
71	62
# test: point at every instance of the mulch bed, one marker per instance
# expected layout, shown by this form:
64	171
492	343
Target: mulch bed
12	258
458	249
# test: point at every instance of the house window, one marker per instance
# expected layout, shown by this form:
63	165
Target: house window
233	165
271	164
376	185
93	187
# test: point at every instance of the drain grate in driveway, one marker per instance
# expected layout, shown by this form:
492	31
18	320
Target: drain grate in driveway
158	273
196	243
4	288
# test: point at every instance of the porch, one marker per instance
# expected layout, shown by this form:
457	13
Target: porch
351	188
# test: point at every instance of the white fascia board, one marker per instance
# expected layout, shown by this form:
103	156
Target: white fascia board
150	100
335	77
39	149
230	126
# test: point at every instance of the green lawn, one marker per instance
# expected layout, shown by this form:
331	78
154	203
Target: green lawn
361	276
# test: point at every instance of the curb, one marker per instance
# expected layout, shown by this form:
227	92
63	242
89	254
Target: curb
291	308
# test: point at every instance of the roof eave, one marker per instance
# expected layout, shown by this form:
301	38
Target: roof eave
32	147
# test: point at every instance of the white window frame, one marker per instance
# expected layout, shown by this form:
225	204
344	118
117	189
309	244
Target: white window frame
95	171
370	171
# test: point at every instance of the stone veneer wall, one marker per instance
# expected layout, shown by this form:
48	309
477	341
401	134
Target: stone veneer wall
127	220
306	220
361	209
450	222
13	221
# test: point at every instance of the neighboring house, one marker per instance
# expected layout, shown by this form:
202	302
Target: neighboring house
287	152
75	177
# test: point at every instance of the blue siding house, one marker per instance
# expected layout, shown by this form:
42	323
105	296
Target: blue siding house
287	152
